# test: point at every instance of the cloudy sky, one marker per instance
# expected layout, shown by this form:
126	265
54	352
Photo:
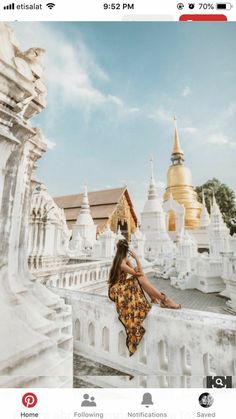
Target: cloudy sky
113	89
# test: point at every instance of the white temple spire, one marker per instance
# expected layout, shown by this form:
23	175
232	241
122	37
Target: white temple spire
153	224
203	198
152	170
85	224
204	220
176	151
218	231
152	191
85	208
215	207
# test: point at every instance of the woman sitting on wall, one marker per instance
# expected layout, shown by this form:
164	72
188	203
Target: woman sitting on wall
126	288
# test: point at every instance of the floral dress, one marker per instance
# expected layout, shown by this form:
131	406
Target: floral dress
132	308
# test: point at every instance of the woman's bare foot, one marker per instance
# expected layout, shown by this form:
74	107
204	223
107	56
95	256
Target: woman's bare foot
166	302
154	300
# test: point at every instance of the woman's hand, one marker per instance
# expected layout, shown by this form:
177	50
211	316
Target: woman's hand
138	273
133	254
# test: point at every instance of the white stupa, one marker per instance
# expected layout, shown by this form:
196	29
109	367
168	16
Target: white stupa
153	223
204	220
85	225
138	245
219	236
201	233
106	242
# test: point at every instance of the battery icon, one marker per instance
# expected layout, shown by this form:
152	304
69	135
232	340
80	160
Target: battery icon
224	6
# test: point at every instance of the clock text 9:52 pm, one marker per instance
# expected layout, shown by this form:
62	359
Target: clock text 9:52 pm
118	6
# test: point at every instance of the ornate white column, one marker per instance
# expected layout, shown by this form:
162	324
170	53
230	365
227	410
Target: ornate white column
25	305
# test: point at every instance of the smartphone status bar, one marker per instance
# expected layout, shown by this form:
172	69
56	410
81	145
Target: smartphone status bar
101	10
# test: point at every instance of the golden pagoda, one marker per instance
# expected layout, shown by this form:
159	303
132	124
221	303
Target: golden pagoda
179	186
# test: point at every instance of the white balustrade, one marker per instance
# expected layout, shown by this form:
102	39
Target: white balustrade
75	276
179	345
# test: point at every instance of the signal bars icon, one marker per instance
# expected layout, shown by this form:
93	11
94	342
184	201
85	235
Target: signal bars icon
9	6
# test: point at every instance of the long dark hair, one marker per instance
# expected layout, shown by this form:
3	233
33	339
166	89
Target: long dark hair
121	253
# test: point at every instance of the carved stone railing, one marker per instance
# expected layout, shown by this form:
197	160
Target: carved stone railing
180	347
75	276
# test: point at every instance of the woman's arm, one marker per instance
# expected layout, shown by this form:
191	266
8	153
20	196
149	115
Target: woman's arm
129	269
139	266
129	264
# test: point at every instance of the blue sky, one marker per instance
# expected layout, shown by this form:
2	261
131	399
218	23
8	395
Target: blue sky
113	89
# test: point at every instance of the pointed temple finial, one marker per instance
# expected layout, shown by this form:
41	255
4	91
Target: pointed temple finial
85	201
152	169
177	156
203	198
213	198
152	192
215	209
204	220
176	146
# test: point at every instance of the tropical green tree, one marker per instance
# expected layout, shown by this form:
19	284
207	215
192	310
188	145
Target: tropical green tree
225	198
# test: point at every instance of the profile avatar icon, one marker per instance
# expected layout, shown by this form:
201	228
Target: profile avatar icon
206	400
86	402
147	399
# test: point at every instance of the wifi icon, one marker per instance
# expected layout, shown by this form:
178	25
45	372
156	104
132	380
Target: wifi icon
50	5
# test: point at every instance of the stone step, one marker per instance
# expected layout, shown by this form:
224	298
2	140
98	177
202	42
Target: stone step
65	337
229	310
66	341
11	362
26	357
51	330
60	312
63	316
52	360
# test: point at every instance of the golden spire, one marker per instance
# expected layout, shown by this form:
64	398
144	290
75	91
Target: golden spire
180	185
176	144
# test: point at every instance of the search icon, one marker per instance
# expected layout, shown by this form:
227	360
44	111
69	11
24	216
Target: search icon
219	382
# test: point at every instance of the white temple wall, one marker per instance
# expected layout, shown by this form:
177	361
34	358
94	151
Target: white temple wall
233	243
231	283
202	237
48	243
153	221
188	343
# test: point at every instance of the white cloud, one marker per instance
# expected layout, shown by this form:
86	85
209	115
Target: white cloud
189	130
230	110
121	105
186	91
133	110
71	69
50	144
221	140
161	115
116	100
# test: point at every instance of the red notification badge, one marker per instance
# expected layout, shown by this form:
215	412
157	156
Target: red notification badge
203	18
